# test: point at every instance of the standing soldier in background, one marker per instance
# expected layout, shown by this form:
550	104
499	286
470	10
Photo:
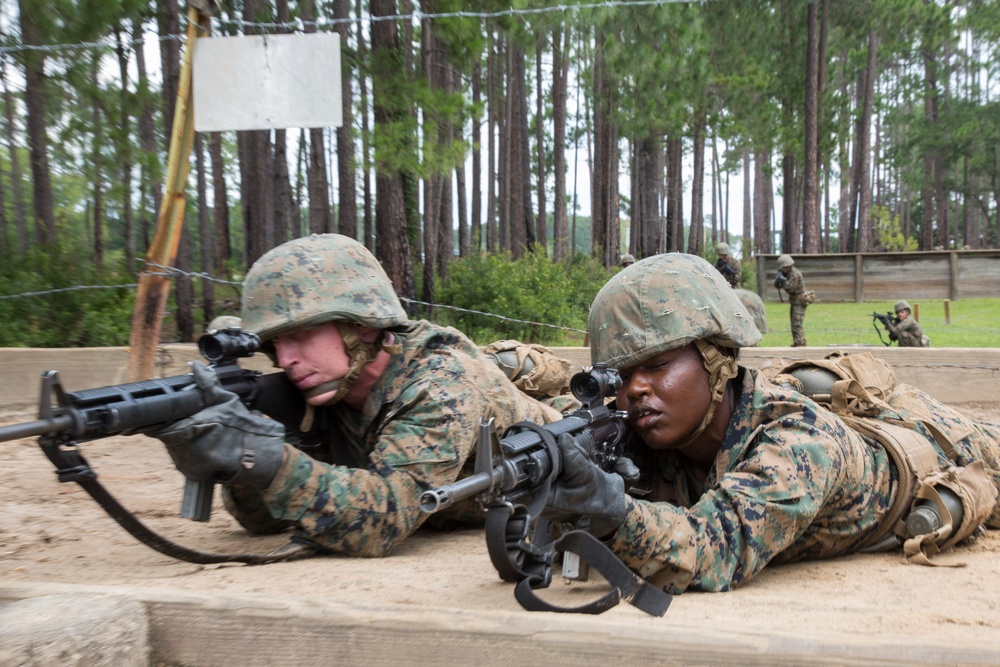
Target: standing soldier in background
727	266
905	329
790	279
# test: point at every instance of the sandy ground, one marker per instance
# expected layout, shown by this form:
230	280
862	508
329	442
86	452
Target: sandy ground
53	533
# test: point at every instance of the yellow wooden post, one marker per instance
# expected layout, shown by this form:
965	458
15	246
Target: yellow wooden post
154	290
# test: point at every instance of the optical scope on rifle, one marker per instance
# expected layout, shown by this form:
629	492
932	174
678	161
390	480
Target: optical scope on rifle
144	407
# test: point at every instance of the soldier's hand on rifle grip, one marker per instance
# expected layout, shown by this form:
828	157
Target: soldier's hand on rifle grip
583	489
224	442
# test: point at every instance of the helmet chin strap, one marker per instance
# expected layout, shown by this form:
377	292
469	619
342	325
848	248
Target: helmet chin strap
721	369
360	353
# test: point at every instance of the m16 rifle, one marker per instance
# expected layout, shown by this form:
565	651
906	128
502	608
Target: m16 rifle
513	475
145	407
888	320
725	268
779	281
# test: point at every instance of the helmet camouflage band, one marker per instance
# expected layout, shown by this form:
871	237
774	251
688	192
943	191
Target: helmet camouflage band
901	305
785	260
722	249
316	279
663	303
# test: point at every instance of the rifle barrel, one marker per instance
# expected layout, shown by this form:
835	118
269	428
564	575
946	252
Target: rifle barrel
34	428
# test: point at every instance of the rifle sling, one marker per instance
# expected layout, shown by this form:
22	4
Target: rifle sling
83	474
625	584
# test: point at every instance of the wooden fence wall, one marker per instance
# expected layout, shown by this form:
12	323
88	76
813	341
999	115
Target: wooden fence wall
884	276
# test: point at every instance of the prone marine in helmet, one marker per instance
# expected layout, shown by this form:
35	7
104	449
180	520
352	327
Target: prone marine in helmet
737	472
728	266
393	405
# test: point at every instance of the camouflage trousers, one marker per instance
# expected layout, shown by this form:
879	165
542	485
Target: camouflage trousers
798	314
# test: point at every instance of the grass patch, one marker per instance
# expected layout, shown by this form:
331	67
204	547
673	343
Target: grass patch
972	323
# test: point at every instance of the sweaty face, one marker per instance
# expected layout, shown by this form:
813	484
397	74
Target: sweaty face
313	356
666	396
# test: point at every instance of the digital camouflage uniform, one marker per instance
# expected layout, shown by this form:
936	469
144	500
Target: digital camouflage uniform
355	485
735	273
417	429
797	482
795	287
790	482
907	332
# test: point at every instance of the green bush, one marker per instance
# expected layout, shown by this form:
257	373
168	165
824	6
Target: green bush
75	316
530	289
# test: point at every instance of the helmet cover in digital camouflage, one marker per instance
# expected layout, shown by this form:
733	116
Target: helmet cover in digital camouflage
901	305
662	303
315	279
785	260
722	249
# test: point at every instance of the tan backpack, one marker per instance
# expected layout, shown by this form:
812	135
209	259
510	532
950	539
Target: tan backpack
858	387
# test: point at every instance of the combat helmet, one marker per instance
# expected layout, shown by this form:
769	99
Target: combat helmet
901	305
317	279
722	249
664	303
785	260
628	259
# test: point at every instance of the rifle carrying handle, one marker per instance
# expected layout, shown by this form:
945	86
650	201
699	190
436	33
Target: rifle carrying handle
197	501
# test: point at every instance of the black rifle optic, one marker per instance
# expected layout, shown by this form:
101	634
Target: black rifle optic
144	407
780	279
513	475
887	320
725	269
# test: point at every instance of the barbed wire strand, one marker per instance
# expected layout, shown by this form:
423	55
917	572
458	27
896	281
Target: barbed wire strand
173	272
331	23
480	312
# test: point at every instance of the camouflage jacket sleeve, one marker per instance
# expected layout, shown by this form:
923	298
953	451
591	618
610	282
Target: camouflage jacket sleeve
418	429
907	332
367	511
797	485
794	284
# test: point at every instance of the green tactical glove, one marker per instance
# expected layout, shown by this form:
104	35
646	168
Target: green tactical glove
224	442
584	490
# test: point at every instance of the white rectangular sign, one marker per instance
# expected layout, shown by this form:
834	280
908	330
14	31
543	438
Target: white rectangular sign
262	82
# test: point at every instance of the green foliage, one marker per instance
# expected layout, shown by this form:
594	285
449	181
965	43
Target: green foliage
889	233
71	318
968	323
532	288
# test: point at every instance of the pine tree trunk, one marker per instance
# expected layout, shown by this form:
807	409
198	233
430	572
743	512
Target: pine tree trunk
205	232
20	220
810	201
560	77
865	195
391	242
541	233
34	99
347	205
